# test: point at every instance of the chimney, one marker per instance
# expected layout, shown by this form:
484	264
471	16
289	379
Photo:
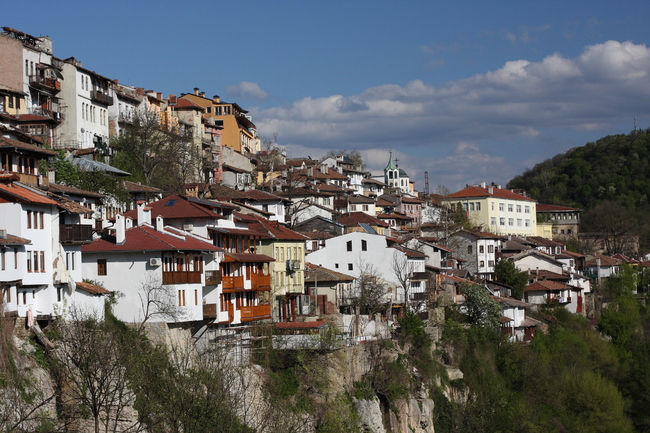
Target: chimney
202	94
498	186
196	91
216	99
159	95
482	184
490	190
323	168
172	99
160	224
128	223
310	171
120	229
144	213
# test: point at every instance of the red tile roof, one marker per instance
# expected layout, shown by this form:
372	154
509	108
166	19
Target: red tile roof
91	288
353	219
14	192
257	195
554	208
183	103
276	230
144	238
477	191
301	325
136	187
14	240
65	189
6	142
177	207
314	273
250	258
546	285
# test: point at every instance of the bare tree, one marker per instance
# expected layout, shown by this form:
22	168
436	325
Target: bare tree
158	300
370	290
403	269
92	372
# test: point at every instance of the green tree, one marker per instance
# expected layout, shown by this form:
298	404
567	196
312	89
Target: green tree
480	308
507	273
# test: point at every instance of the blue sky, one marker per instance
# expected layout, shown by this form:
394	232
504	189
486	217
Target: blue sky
469	91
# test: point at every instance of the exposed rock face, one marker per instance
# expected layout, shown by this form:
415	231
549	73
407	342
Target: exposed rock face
371	417
414	416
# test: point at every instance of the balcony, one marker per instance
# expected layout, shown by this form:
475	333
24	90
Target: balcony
101	97
212	278
209	311
232	283
258	312
34	179
51	84
181	277
75	233
260	282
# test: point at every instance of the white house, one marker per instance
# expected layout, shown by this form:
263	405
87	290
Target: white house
514	322
352	253
478	249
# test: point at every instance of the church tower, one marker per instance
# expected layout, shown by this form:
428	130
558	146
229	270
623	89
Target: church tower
391	172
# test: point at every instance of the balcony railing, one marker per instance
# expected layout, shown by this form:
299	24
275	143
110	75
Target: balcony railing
259	282
232	283
258	312
34	179
75	233
181	277
209	311
101	97
48	83
212	278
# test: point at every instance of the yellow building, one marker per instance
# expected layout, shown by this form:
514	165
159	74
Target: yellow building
500	211
239	132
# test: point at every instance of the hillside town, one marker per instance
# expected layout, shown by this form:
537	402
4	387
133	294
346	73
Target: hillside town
238	234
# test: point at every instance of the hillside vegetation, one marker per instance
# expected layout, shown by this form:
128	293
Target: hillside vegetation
608	179
614	168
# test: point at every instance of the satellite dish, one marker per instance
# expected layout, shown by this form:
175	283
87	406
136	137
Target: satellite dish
83	130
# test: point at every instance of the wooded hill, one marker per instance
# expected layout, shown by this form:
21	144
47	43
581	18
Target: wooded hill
608	179
615	168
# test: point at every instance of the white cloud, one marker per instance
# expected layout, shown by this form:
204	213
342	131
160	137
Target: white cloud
519	104
247	90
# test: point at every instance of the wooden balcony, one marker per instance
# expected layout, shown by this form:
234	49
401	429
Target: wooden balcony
209	311
51	84
232	283
75	233
212	278
34	179
258	312
260	282
181	277
101	97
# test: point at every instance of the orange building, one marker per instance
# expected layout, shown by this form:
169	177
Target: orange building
239	132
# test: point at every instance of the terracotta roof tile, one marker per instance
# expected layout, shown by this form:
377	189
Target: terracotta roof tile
91	288
15	192
477	191
353	219
177	207
145	238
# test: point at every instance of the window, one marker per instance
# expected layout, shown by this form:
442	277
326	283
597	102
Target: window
493	221
527	223
349	245
196	297
478	205
518	208
365	207
336	265
15	258
509	208
29	219
569	231
518	222
181	298
502	222
35	262
42	256
526	209
481	249
69	261
364	246
562	231
481	264
492	205
511	222
491	263
350	267
469	249
29	261
465	207
2	259
471	206
490	249
101	267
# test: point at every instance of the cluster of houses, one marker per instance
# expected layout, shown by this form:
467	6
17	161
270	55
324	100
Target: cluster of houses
262	238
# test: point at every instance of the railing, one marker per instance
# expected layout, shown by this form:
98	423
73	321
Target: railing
258	312
50	83
212	278
34	179
259	282
209	311
181	277
101	97
232	283
75	233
